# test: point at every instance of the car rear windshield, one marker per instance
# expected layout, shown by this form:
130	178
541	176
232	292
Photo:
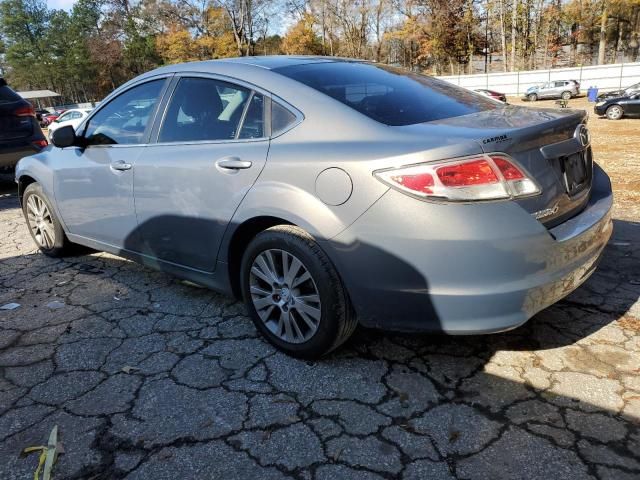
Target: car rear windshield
7	95
390	95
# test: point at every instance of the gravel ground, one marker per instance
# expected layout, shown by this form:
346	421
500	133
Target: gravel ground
150	378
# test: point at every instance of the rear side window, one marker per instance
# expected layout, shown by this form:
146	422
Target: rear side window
203	109
281	119
386	94
8	96
253	124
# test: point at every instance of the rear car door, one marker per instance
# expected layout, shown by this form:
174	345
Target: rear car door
94	184
212	144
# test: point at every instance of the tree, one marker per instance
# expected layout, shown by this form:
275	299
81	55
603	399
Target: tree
301	38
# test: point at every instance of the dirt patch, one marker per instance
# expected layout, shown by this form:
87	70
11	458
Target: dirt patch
616	147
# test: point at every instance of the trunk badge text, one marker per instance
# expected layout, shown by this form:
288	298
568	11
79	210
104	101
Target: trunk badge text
546	212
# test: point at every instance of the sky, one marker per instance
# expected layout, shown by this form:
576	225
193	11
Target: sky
61	4
280	24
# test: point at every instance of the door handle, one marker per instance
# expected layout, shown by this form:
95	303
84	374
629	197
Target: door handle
121	165
232	163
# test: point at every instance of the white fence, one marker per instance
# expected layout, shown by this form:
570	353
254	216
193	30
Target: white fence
605	77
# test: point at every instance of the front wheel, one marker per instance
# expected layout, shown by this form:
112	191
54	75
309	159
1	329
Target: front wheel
566	96
44	226
614	112
532	97
294	294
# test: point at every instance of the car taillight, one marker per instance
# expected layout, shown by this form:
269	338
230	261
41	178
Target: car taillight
25	112
481	177
40	143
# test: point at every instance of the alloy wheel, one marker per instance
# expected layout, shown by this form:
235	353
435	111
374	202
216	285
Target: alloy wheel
614	113
285	296
40	222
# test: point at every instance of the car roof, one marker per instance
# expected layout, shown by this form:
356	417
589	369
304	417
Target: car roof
271	62
263	63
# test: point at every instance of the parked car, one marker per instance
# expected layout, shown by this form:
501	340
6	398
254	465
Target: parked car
564	89
335	192
492	94
40	116
616	108
52	117
72	117
625	92
20	133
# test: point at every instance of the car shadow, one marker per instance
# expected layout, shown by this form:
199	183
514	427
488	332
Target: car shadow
543	397
8	189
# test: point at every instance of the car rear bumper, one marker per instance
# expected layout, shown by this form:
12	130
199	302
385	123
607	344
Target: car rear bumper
12	153
410	265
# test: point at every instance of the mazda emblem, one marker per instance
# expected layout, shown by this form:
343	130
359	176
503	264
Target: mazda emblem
582	135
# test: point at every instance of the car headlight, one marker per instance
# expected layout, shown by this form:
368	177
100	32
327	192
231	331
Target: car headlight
599	104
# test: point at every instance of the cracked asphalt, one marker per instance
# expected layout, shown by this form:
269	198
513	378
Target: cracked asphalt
150	378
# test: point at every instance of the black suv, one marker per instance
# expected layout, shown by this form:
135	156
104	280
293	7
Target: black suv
20	133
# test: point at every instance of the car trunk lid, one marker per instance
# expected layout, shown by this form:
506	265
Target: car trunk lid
551	144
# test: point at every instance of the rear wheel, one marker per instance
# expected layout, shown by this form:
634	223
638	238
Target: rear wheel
532	97
44	226
294	294
566	96
614	112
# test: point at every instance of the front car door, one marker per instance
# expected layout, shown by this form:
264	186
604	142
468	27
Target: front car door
94	184
212	144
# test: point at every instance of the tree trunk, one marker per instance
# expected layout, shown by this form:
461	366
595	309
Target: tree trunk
514	19
603	34
503	37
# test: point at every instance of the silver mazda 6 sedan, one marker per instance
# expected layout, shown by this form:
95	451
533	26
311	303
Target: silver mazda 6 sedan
329	192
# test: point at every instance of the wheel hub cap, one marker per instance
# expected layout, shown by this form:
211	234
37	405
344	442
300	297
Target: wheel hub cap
285	296
40	222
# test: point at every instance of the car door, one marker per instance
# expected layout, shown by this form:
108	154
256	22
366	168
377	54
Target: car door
94	184
212	144
546	90
633	104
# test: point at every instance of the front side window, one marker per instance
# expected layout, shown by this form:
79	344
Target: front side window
389	95
124	120
204	109
64	117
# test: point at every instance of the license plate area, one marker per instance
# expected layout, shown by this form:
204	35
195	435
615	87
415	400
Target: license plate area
576	172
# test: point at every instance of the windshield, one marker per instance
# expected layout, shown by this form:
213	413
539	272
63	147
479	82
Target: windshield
389	95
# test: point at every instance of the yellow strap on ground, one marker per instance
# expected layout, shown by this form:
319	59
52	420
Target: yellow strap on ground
41	460
48	455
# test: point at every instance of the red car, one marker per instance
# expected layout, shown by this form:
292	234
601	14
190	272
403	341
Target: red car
53	116
491	94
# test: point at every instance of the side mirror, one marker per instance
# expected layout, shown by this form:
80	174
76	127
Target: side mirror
64	137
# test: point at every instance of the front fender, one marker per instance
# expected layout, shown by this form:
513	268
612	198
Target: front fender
37	167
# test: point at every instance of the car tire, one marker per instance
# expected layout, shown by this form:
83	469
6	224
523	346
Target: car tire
566	96
614	112
274	288
532	97
43	223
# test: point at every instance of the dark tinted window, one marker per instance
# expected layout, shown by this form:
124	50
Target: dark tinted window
281	118
125	118
7	95
253	125
389	95
203	109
